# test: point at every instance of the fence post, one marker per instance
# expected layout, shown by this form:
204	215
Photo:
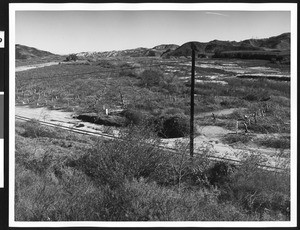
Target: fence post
192	102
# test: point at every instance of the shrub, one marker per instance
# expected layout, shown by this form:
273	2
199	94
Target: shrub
235	138
151	78
220	173
42	198
172	111
251	97
266	127
135	117
156	203
130	157
278	143
172	84
105	64
128	70
173	126
256	189
34	129
128	73
224	103
72	57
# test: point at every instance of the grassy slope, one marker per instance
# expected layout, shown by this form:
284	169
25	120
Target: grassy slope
38	60
62	176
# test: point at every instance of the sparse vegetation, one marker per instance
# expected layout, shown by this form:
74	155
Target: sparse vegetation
277	142
68	177
234	138
128	180
72	57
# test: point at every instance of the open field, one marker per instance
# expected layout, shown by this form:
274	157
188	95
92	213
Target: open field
77	177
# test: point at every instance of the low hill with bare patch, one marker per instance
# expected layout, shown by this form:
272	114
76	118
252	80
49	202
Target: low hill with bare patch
26	52
280	43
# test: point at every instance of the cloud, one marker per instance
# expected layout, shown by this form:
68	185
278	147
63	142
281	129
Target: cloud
219	14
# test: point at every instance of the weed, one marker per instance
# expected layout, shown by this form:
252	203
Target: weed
278	143
256	189
34	130
235	138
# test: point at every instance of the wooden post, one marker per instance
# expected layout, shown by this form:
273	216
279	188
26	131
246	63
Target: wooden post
236	126
255	117
192	103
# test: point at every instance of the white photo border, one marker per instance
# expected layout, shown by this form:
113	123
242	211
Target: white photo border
292	7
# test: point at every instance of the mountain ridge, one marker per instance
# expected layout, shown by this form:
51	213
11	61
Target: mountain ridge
275	43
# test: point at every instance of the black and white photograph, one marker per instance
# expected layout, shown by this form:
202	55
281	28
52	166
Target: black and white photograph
147	115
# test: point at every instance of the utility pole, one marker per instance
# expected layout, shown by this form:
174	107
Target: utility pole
192	101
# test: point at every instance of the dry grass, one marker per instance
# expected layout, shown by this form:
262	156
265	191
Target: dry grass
117	180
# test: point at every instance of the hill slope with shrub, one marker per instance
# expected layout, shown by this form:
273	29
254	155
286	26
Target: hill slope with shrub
26	52
276	43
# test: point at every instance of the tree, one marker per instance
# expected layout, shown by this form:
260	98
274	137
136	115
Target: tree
173	126
72	57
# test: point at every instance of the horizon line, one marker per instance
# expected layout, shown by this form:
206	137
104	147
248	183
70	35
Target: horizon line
144	47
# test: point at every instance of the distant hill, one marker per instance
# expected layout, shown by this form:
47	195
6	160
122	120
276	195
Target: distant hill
26	52
266	48
161	49
138	52
185	49
273	44
156	51
280	43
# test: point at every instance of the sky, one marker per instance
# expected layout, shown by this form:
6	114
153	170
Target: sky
65	32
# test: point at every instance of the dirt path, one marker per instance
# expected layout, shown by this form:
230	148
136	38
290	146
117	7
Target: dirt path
28	67
59	117
218	112
208	141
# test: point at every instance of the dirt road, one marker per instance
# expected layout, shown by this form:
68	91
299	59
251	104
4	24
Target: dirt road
28	67
209	139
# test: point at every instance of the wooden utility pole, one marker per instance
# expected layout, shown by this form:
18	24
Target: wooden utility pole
192	102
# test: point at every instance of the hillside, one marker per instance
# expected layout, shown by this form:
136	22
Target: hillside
161	49
26	52
156	51
278	43
138	52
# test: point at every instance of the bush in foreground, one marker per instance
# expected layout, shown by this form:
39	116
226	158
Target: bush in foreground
129	180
